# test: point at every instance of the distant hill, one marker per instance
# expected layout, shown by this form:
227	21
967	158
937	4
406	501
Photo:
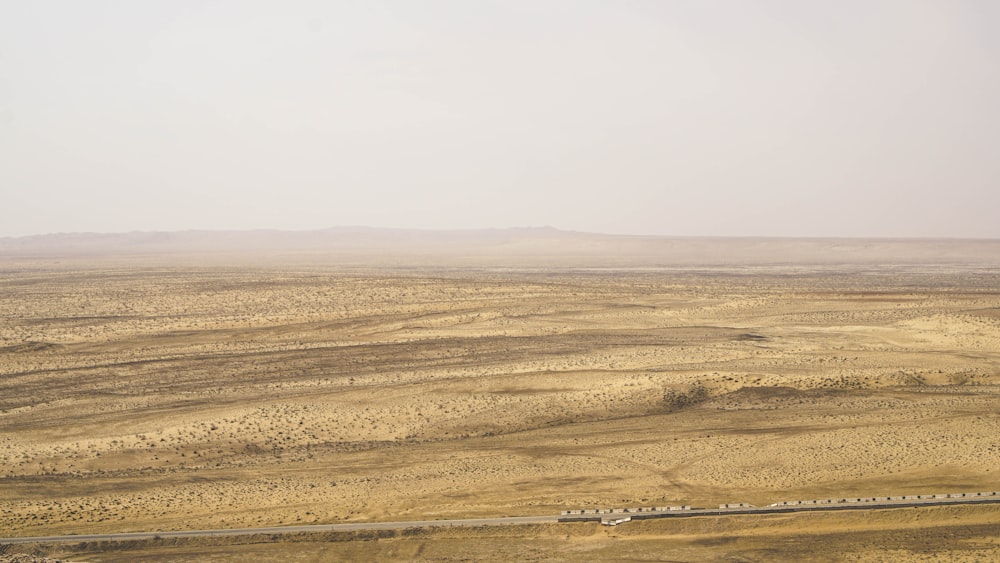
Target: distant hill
516	247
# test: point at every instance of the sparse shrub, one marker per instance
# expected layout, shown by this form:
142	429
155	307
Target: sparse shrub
674	400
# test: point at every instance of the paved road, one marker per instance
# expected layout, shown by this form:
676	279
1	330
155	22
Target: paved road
779	509
355	526
506	521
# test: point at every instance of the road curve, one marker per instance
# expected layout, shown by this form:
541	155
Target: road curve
503	521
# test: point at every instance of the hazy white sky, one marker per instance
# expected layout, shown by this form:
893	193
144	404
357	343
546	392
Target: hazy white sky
786	118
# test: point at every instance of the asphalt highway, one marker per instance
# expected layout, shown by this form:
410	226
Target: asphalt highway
311	528
607	516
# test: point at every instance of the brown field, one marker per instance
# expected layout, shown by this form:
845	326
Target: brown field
169	397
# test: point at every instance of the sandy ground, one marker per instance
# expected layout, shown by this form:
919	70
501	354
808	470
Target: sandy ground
959	534
180	398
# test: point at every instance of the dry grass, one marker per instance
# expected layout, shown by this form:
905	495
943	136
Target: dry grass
180	398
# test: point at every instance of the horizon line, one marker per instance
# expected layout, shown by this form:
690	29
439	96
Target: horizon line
544	228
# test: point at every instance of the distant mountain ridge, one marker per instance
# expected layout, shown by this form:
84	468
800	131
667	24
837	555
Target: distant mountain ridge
529	246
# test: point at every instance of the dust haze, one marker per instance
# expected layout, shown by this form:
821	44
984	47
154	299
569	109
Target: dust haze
603	255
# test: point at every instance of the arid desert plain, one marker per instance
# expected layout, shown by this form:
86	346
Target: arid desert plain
169	395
